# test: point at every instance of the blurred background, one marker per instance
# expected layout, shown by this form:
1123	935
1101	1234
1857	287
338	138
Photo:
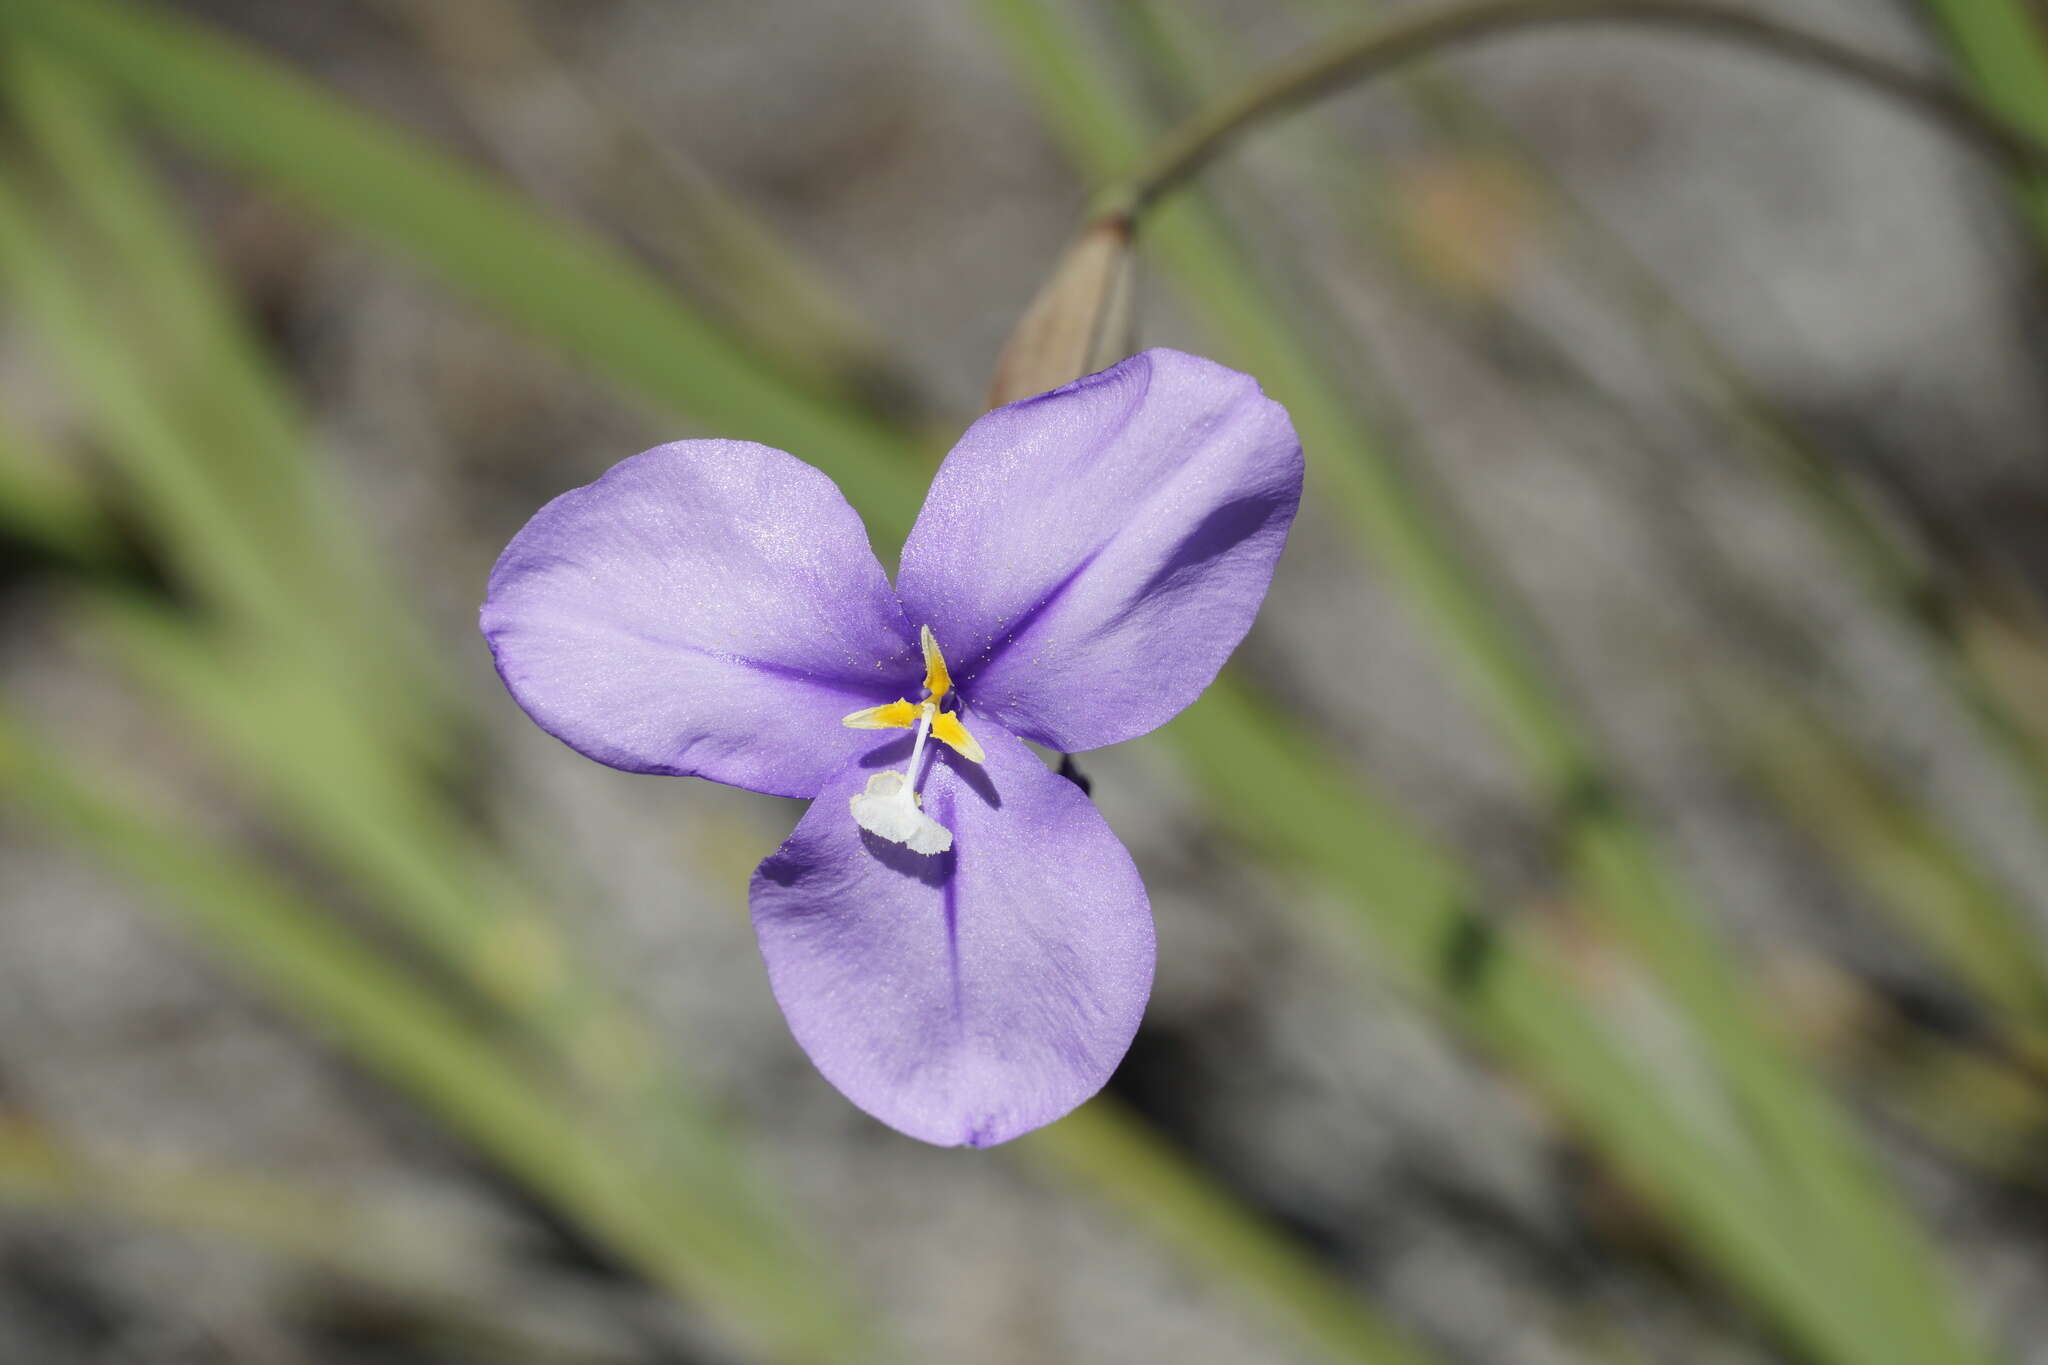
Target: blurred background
1601	911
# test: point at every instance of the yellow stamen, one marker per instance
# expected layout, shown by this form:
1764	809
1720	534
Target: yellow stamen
897	715
946	726
937	682
890	807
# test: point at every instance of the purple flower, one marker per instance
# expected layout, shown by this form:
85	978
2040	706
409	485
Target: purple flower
954	934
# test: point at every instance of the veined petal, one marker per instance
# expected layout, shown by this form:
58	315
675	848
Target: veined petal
707	608
969	996
1090	557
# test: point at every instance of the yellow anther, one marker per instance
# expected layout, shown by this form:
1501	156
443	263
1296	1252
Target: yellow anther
897	715
937	682
890	807
946	726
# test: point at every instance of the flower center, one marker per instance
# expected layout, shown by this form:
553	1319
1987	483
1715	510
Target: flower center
891	807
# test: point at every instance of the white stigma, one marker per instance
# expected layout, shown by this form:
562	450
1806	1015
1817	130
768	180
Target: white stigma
891	809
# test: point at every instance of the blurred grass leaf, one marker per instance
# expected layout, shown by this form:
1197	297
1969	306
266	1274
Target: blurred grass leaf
47	503
1104	1150
1854	1290
1945	624
621	1149
311	966
1833	1201
328	774
371	1237
2003	45
1901	855
571	288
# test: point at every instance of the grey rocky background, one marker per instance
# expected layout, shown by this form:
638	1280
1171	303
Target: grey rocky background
1868	274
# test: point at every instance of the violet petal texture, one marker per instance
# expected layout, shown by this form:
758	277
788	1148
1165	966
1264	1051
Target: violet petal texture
709	608
1090	557
970	996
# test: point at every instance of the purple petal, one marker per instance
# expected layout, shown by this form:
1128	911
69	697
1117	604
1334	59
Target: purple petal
970	996
707	608
1089	558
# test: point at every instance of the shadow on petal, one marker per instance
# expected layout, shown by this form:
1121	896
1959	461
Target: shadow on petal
933	869
965	998
1220	533
889	755
974	777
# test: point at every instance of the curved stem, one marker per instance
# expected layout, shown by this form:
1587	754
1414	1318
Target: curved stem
1378	45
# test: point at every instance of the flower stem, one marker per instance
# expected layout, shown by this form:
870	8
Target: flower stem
1369	49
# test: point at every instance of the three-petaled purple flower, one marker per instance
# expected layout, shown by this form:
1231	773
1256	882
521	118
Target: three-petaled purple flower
954	934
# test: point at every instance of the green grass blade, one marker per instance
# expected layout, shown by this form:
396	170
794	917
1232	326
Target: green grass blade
302	732
326	775
568	287
213	546
1898	851
1413	915
1107	1151
300	957
1349	468
183	328
97	36
230	699
378	1243
350	798
46	503
1834	1205
1900	579
493	57
336	770
2003	45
